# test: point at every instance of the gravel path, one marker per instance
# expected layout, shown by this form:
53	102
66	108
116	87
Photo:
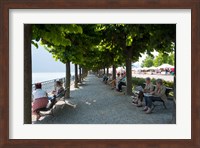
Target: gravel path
98	104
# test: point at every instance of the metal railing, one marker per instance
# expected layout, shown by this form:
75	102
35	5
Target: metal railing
49	85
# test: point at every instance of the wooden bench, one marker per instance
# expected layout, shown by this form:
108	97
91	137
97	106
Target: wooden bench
124	89
154	105
167	91
50	109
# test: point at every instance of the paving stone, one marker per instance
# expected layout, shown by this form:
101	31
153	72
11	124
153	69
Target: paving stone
98	104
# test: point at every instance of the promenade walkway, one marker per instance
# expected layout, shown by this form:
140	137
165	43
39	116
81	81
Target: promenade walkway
98	104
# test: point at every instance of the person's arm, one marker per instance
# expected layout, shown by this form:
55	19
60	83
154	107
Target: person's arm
145	89
151	88
123	79
154	92
32	98
33	95
148	88
162	92
60	92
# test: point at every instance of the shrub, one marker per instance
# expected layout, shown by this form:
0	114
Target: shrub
141	81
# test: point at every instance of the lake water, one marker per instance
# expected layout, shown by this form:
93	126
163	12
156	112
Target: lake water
40	77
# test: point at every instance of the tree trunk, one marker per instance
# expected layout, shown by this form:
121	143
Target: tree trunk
67	84
97	72
104	70
173	121
80	74
27	74
84	72
128	71
107	71
114	72
174	109
76	77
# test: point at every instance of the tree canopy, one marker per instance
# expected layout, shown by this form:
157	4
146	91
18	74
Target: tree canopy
96	46
162	58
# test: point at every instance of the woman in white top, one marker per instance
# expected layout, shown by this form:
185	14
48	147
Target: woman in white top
117	80
40	99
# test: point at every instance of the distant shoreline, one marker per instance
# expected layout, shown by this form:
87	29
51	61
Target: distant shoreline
47	76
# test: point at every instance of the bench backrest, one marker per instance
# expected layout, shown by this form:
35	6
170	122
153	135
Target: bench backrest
167	91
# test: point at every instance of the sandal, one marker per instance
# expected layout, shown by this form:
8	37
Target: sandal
148	111
38	117
145	108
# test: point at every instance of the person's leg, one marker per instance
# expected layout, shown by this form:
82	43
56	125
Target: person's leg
120	86
123	83
141	95
140	99
114	83
146	102
149	103
135	101
50	98
152	99
106	80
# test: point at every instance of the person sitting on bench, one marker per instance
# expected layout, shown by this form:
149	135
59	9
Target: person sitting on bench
122	82
114	83
59	92
39	98
105	78
148	88
157	95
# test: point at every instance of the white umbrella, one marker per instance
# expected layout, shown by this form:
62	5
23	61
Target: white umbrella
152	68
166	66
145	68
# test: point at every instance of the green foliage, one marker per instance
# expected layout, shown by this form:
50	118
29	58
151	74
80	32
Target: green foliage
148	62
164	58
141	81
54	34
34	43
95	46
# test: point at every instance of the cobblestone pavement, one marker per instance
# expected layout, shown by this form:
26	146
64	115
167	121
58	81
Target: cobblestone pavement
97	103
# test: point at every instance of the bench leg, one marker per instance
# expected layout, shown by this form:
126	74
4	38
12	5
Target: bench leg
153	107
164	105
50	113
63	104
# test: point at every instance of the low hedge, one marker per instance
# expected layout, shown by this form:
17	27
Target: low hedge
141	81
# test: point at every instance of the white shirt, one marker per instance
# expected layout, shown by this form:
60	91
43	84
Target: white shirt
117	81
39	93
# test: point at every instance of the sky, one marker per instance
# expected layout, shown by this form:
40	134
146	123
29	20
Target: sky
42	61
138	64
